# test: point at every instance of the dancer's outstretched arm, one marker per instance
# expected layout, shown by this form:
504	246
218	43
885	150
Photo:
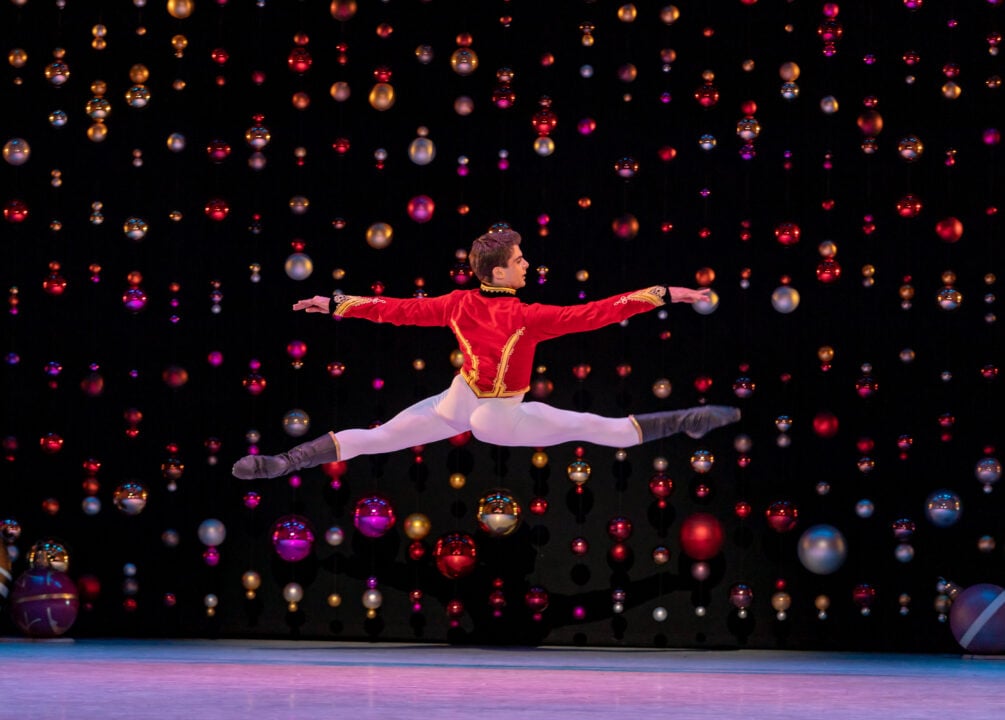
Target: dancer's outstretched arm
427	311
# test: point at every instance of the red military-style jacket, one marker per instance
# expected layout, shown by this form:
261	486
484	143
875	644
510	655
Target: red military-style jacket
495	330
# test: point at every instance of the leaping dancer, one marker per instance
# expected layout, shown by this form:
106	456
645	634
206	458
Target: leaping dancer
497	334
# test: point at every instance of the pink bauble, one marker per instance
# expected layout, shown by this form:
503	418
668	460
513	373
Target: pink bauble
292	538
373	516
421	208
536	600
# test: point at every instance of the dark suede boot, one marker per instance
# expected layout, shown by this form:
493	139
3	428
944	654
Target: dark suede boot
307	455
695	422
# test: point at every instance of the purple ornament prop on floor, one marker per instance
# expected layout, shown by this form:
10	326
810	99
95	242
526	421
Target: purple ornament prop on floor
977	619
44	603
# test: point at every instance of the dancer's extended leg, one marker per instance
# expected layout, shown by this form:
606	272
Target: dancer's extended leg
529	424
435	418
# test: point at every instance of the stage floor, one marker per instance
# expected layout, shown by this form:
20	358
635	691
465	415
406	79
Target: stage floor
222	679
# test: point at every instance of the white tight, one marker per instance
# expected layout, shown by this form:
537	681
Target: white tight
497	421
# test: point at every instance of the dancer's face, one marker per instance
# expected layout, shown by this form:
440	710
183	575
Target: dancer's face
514	274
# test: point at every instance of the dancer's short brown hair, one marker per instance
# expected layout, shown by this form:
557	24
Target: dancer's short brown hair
493	249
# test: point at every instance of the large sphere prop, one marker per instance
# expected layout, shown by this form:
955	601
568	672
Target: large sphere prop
44	603
977	619
5	577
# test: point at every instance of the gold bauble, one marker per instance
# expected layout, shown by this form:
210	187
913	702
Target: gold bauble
180	9
139	74
417	526
379	235
97	132
343	10
382	96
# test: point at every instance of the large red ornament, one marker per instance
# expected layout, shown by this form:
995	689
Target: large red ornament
701	536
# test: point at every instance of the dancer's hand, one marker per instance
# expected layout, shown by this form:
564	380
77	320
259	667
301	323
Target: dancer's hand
687	295
316	304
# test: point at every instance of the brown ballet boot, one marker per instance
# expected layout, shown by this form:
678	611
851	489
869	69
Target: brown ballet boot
307	455
695	422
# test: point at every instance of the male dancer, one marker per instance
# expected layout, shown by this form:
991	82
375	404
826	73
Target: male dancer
497	334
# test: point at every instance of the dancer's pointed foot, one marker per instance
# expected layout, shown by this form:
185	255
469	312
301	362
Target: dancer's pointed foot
694	422
306	455
252	467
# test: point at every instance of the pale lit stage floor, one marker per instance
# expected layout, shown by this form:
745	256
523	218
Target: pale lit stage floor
223	679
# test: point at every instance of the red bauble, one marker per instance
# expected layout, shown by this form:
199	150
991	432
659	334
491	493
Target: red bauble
949	229
619	529
782	516
15	211
335	469
661	486
456	555
825	424
536	600
217	209
701	536
538	506
416	550
619	552
828	271
299	60
787	233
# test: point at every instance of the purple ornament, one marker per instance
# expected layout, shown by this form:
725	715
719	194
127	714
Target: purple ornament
44	602
292	538
421	208
373	516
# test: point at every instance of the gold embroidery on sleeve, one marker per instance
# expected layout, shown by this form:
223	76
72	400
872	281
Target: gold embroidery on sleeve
344	302
652	295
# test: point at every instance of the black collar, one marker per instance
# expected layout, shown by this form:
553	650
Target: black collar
493	291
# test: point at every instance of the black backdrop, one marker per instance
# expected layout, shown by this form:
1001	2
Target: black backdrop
702	209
